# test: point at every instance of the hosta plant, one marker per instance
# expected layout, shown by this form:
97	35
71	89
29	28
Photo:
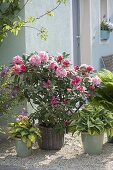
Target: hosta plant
24	129
93	120
104	94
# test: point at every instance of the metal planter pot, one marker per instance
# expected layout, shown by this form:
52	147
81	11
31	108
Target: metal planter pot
22	149
50	139
104	35
92	144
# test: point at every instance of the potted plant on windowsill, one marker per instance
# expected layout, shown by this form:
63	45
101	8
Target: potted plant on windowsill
91	122
106	28
55	89
25	134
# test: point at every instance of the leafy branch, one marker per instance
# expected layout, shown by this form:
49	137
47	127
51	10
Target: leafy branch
8	16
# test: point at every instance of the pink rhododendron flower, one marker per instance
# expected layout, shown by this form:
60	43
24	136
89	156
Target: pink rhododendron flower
83	67
76	81
66	102
66	63
86	68
53	65
96	81
59	58
23	67
61	72
16	69
88	95
55	101
81	89
44	56
17	60
47	84
92	88
69	90
89	68
76	68
35	60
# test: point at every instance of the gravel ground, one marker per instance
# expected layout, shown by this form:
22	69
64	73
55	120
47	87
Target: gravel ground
70	157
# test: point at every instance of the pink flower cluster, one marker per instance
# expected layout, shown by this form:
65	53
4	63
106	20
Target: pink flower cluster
84	81
18	65
76	81
47	84
36	60
21	118
61	72
55	101
84	68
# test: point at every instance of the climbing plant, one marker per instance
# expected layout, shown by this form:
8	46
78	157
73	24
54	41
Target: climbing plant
10	20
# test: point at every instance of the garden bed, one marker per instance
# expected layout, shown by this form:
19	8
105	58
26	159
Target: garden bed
70	157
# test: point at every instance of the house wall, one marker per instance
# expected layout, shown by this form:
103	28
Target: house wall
98	47
12	45
59	27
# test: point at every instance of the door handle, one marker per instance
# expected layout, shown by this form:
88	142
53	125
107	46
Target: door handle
78	36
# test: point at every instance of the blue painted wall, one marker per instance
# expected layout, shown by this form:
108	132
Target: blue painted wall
99	48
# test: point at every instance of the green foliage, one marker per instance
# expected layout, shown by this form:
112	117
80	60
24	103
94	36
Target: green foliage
91	119
50	13
10	20
43	33
106	26
8	92
62	1
24	129
104	95
56	89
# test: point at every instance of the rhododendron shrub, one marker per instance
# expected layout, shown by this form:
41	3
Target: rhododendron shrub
56	89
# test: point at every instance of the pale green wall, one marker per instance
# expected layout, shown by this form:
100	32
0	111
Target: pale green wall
59	27
13	45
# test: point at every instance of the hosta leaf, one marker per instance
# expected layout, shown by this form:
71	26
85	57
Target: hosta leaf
29	143
24	139
32	137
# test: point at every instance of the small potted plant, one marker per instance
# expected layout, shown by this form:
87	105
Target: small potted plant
25	134
92	122
106	28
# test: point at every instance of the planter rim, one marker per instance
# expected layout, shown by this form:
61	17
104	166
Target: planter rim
91	134
17	138
105	30
45	127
